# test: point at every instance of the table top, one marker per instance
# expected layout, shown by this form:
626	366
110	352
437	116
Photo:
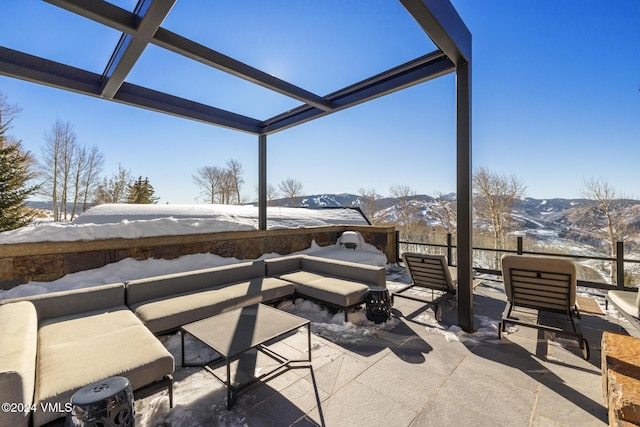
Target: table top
239	330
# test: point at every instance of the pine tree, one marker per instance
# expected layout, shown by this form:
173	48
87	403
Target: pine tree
15	172
141	192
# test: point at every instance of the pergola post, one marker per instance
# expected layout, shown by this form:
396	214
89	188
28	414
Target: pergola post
465	197
444	26
262	182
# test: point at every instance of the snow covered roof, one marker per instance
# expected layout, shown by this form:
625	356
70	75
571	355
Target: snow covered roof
134	221
283	217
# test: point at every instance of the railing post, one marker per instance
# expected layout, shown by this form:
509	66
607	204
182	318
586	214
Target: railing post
620	264
397	246
449	248
520	240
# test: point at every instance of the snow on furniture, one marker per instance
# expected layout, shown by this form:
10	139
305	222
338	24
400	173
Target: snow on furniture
81	336
349	239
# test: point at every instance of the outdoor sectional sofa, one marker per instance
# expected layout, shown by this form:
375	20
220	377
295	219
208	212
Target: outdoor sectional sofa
53	344
165	303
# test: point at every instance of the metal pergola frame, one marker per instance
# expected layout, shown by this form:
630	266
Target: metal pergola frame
438	19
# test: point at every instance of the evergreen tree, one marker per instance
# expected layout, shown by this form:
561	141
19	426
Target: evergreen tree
141	192
15	172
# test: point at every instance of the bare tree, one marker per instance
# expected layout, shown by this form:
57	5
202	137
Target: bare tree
609	219
91	171
59	154
70	170
227	187
446	212
497	195
406	206
7	112
291	188
77	167
209	178
221	185
234	169
369	203
272	193
114	189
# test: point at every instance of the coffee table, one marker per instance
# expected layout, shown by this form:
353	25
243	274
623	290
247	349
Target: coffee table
237	331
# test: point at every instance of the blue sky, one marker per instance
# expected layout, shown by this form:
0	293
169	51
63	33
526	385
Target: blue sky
555	94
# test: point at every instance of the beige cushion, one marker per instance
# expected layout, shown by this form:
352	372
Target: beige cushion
152	288
343	293
281	265
18	346
302	276
78	350
431	271
375	276
64	303
170	313
626	301
544	277
264	288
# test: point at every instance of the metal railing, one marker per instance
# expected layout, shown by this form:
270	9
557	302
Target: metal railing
619	259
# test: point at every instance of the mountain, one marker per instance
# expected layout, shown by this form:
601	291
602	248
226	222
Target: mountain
550	220
544	219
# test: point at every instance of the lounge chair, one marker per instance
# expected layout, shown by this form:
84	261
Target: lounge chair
544	284
431	273
627	303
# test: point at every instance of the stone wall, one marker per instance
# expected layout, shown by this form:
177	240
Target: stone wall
47	261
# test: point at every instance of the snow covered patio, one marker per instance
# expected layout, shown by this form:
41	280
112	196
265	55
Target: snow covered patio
409	371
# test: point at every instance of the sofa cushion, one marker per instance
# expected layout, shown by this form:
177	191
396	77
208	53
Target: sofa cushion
78	350
64	303
281	265
274	289
375	276
152	288
301	276
18	347
166	314
340	292
627	301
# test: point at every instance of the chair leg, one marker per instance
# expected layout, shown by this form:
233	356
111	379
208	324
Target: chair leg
171	395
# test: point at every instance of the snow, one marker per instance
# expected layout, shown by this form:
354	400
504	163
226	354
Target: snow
107	222
134	221
131	269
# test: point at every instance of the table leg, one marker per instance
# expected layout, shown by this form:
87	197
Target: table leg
309	340
229	403
182	347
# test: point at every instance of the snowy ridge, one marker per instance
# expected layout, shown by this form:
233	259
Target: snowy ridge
135	221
